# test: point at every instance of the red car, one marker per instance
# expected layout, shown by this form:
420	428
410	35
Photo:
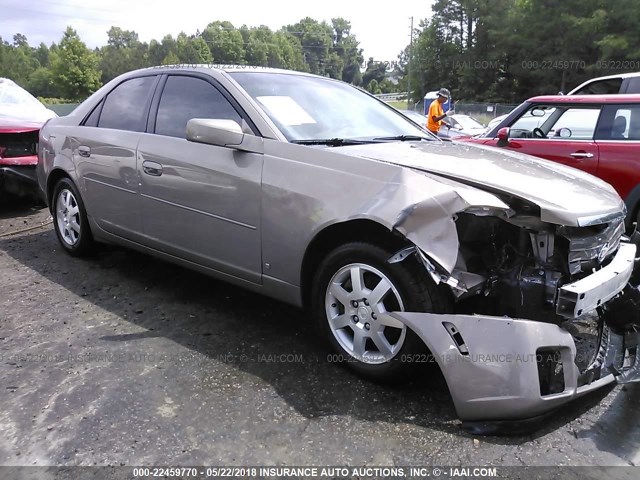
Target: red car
599	134
21	116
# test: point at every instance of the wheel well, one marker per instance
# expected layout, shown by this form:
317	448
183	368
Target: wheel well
339	234
53	178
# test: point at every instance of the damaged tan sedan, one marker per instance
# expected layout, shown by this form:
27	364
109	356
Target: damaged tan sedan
514	273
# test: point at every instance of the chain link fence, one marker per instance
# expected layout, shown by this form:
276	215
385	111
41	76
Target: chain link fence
484	112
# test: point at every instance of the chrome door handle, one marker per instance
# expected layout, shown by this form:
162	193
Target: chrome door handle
581	155
152	168
84	151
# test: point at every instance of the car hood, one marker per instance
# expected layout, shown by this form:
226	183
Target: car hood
17	125
566	196
14	120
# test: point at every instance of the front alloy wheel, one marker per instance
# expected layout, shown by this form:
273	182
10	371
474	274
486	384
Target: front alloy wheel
357	296
353	288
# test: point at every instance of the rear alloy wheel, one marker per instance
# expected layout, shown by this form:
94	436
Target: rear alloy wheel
70	219
353	289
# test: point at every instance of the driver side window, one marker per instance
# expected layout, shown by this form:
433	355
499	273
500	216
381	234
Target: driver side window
184	98
534	118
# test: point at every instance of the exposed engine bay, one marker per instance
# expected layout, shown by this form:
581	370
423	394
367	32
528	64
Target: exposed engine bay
525	264
513	267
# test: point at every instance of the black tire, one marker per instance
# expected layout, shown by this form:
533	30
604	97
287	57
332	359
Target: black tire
76	243
416	290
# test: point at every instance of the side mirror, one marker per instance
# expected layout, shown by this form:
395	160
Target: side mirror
503	137
222	133
564	132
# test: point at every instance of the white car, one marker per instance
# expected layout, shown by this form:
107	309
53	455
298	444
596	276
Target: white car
611	84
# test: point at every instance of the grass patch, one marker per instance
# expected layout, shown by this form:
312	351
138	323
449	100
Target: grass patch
400	105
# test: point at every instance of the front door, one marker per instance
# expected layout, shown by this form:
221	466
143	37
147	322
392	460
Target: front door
563	134
200	202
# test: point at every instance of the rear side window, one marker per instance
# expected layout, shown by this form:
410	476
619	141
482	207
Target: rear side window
184	98
601	87
620	122
126	107
92	120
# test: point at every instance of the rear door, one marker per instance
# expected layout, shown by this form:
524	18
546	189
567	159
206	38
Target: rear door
104	152
618	139
200	202
560	133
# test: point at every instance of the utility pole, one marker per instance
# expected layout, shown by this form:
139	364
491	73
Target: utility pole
409	67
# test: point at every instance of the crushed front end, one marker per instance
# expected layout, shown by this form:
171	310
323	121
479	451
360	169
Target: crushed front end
543	313
18	160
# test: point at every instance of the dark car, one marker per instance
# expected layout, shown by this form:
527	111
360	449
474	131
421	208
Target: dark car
599	134
21	116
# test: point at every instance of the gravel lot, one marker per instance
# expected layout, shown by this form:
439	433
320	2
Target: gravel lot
121	359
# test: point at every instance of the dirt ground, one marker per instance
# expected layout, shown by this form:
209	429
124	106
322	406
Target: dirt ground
121	359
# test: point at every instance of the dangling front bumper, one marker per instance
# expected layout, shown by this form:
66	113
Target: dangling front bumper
500	368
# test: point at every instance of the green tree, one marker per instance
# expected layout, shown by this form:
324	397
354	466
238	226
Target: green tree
123	52
375	71
171	59
347	48
42	83
316	40
288	53
192	49
225	42
75	68
42	55
261	47
17	60
158	51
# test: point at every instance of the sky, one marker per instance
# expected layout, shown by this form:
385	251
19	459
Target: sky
382	32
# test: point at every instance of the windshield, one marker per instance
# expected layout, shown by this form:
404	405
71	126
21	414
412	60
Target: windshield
311	108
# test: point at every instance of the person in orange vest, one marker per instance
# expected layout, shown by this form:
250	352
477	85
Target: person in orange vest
436	114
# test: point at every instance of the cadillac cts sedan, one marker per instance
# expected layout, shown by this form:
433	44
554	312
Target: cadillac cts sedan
513	272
